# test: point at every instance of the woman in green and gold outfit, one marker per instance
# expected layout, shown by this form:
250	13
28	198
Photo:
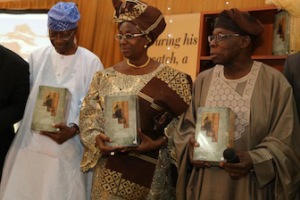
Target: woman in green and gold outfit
142	172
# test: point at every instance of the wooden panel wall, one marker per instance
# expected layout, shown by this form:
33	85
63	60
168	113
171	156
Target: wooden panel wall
96	28
192	6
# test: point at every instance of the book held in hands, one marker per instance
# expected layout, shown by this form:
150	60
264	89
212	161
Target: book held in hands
51	107
121	120
214	133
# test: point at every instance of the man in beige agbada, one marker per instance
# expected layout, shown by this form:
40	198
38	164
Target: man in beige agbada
267	135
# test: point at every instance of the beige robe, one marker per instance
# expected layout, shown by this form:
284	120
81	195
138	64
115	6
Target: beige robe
272	138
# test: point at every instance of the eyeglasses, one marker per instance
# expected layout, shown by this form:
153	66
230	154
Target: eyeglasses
128	36
220	36
62	36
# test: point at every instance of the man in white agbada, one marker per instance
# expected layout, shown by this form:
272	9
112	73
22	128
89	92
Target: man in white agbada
45	165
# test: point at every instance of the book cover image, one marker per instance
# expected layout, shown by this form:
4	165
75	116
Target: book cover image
50	108
121	115
281	33
214	133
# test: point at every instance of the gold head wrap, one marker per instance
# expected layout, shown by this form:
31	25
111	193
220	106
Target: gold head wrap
148	19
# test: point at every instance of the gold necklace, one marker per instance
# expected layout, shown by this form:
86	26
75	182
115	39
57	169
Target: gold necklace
138	67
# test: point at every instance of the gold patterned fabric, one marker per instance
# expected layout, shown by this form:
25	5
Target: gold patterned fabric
107	182
128	176
129	10
181	85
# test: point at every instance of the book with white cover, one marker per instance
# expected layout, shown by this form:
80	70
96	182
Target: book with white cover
214	133
121	120
51	107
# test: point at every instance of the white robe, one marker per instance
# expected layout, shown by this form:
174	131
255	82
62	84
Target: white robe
36	167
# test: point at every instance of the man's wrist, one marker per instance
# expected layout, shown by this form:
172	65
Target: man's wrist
73	125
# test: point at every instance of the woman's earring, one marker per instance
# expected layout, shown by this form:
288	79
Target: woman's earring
145	46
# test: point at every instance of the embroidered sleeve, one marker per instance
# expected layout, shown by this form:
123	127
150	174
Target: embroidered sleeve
91	123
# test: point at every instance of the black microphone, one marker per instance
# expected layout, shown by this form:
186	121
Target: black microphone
230	155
